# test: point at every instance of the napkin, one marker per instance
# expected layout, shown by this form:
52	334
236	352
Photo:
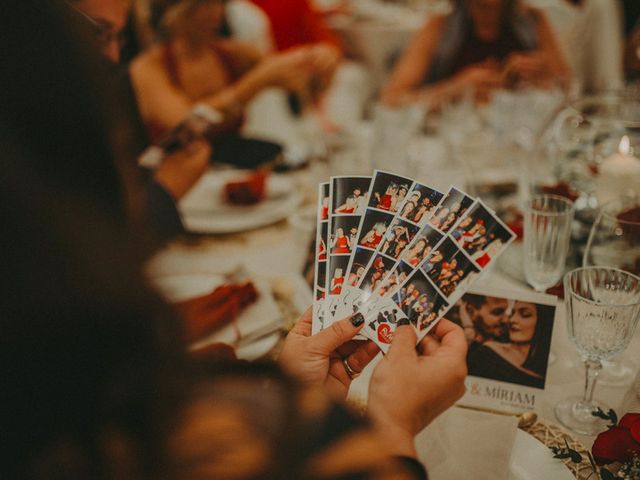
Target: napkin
463	444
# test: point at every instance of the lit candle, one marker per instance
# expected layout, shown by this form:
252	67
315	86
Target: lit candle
619	174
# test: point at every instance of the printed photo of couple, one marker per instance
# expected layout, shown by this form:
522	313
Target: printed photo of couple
509	339
481	235
389	192
452	208
350	195
421	203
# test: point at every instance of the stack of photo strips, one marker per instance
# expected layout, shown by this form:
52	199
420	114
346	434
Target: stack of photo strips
392	248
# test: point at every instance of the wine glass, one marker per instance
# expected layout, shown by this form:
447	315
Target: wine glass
547	232
614	241
603	307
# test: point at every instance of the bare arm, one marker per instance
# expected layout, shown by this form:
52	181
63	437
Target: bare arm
163	103
414	64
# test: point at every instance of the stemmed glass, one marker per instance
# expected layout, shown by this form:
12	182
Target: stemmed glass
547	232
603	307
614	241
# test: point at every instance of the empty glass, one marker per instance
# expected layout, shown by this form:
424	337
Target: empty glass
615	242
602	309
547	232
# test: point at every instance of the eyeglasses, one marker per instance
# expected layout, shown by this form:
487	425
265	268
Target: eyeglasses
103	31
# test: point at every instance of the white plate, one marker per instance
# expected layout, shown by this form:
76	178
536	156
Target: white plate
203	209
532	460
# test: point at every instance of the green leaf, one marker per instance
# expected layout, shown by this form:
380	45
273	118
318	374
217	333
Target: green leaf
562	455
575	456
613	417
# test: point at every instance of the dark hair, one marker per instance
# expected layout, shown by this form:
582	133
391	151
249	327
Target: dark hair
476	300
538	357
84	344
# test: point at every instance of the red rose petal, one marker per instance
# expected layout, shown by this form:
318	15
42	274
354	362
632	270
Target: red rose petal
635	430
628	420
614	445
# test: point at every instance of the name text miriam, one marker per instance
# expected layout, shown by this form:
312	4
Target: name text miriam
510	396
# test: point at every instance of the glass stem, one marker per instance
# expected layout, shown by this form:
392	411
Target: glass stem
593	368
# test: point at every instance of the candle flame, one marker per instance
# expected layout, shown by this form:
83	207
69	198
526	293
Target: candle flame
624	145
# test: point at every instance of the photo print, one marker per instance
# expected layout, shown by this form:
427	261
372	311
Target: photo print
482	235
452	207
323	204
444	251
421	204
374	227
361	259
509	335
422	245
321	280
322	242
389	191
456	273
397	277
420	301
344	231
399	235
349	195
337	268
379	268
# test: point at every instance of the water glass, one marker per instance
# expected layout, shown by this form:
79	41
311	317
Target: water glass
602	308
547	233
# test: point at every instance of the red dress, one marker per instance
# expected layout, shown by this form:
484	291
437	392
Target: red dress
373	243
385	202
295	23
342	245
337	285
346	210
325	213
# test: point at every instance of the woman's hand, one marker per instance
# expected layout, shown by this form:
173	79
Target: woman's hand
527	67
483	79
413	385
318	359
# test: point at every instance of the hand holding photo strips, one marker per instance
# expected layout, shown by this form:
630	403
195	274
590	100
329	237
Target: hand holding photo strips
407	255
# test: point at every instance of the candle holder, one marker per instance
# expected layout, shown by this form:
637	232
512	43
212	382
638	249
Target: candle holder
590	153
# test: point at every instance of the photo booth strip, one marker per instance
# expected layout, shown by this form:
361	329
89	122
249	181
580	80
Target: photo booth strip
320	272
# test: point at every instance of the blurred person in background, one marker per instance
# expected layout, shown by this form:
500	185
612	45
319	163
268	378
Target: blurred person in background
483	45
103	21
341	87
194	62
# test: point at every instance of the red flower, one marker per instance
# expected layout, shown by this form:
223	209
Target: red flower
619	443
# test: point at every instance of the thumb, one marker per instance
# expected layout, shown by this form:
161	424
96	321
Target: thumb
338	333
404	340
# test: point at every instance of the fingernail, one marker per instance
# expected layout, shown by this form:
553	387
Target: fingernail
357	319
403	321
